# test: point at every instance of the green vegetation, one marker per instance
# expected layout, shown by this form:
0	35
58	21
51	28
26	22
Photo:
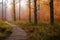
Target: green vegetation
5	30
41	31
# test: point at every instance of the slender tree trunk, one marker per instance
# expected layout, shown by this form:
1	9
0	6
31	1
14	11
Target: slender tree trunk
30	11
51	12
38	11
14	10
19	9
35	12
5	10
2	10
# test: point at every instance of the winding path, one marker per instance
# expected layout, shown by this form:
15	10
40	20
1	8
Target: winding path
17	34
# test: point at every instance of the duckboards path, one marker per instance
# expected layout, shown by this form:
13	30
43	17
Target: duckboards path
17	33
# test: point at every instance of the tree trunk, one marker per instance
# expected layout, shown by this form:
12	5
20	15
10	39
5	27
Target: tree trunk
5	10
30	11
19	9
51	12
14	10
38	10
2	10
35	12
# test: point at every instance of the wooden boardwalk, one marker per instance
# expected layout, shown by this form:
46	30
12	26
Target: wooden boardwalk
17	34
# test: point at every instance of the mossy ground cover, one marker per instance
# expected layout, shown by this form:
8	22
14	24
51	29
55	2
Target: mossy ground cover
5	30
41	31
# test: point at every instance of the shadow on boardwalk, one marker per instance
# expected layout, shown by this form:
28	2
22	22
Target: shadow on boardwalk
17	33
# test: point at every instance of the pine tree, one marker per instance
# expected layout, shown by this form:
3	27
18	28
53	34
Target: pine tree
2	10
51	12
19	9
35	12
30	11
14	10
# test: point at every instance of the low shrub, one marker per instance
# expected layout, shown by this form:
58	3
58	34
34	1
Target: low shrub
5	30
41	31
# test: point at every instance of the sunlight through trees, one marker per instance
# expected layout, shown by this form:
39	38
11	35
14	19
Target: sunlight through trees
22	6
30	19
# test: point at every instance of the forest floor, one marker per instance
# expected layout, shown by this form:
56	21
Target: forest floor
41	31
17	33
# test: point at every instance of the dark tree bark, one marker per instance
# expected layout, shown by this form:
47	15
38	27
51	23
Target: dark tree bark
14	10
35	12
51	12
30	11
19	9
